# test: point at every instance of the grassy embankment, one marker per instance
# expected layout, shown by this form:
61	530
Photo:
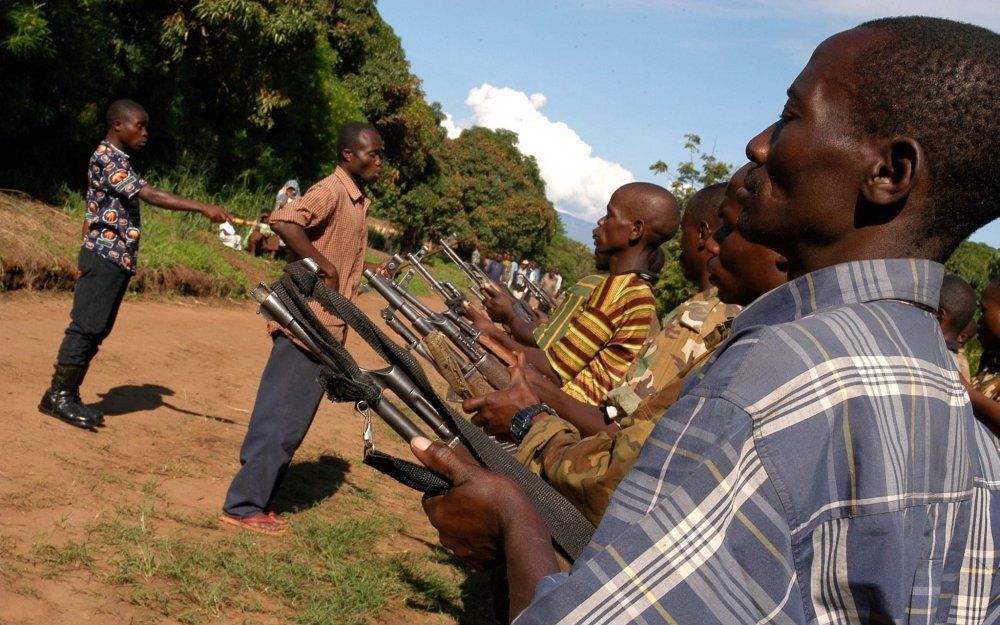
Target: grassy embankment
180	253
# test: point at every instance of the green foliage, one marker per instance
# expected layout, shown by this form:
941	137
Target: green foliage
700	170
492	193
977	263
574	259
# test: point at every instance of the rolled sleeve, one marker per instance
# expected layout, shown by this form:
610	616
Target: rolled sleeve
309	211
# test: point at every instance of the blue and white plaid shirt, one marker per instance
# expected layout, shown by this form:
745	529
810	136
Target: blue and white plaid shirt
825	468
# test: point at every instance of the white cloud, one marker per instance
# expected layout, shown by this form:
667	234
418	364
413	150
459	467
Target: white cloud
449	126
576	181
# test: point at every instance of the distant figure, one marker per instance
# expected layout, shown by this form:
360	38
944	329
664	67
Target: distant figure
495	269
551	282
108	256
476	256
518	284
288	192
262	240
956	309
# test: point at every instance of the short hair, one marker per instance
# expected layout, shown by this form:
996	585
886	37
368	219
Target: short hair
941	89
704	205
122	110
959	299
347	139
656	207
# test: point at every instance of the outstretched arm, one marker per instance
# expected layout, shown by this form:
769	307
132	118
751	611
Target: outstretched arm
169	201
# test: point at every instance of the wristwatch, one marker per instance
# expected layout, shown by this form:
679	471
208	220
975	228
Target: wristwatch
521	422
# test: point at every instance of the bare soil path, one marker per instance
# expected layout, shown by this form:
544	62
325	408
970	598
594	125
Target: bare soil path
176	380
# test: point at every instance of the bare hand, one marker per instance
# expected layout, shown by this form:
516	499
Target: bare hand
470	517
499	304
479	321
215	214
495	411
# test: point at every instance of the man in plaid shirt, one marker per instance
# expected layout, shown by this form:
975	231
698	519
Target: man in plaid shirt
826	467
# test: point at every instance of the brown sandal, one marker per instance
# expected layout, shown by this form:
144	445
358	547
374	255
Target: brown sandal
259	522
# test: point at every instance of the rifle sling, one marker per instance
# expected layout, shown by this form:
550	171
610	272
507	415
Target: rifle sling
570	529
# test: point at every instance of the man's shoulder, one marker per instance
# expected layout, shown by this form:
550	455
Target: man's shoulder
628	286
843	350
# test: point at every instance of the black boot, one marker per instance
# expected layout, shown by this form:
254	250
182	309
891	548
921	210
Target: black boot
62	400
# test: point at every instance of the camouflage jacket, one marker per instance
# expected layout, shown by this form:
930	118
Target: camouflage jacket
689	331
587	470
987	380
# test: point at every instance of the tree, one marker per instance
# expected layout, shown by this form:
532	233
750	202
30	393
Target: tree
700	170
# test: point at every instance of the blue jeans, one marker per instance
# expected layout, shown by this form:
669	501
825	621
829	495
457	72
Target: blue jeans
286	403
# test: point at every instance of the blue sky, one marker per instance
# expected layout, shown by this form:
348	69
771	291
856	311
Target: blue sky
599	90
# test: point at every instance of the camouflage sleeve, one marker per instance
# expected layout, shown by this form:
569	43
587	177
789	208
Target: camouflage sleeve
585	471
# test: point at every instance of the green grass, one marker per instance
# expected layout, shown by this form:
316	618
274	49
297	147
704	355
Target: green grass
327	569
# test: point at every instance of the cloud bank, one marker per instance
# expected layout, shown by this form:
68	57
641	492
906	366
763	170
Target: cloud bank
576	181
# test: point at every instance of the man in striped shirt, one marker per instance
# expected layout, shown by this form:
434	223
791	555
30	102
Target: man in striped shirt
605	334
825	467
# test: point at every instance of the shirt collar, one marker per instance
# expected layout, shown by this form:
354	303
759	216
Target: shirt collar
112	146
912	280
349	184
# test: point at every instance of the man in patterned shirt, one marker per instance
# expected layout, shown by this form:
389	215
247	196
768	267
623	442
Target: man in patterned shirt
826	467
329	225
107	257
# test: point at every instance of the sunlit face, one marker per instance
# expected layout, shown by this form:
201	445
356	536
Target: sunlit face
808	167
741	270
132	130
364	161
614	230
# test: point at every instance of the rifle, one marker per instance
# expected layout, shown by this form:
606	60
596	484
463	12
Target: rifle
482	281
391	377
426	321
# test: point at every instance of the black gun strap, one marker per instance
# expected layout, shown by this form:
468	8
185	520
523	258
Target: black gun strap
416	476
570	529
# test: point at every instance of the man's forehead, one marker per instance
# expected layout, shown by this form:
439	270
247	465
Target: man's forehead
833	60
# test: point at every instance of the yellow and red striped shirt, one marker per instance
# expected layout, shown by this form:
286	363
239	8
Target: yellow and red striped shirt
604	337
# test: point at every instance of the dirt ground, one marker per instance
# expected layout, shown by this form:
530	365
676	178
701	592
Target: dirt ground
176	380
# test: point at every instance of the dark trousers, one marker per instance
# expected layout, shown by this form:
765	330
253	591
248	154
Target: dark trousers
96	299
287	400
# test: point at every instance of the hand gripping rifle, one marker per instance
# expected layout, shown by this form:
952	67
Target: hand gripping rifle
425	321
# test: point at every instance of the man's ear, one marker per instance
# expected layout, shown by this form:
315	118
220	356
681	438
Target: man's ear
638	228
704	232
346	155
894	174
